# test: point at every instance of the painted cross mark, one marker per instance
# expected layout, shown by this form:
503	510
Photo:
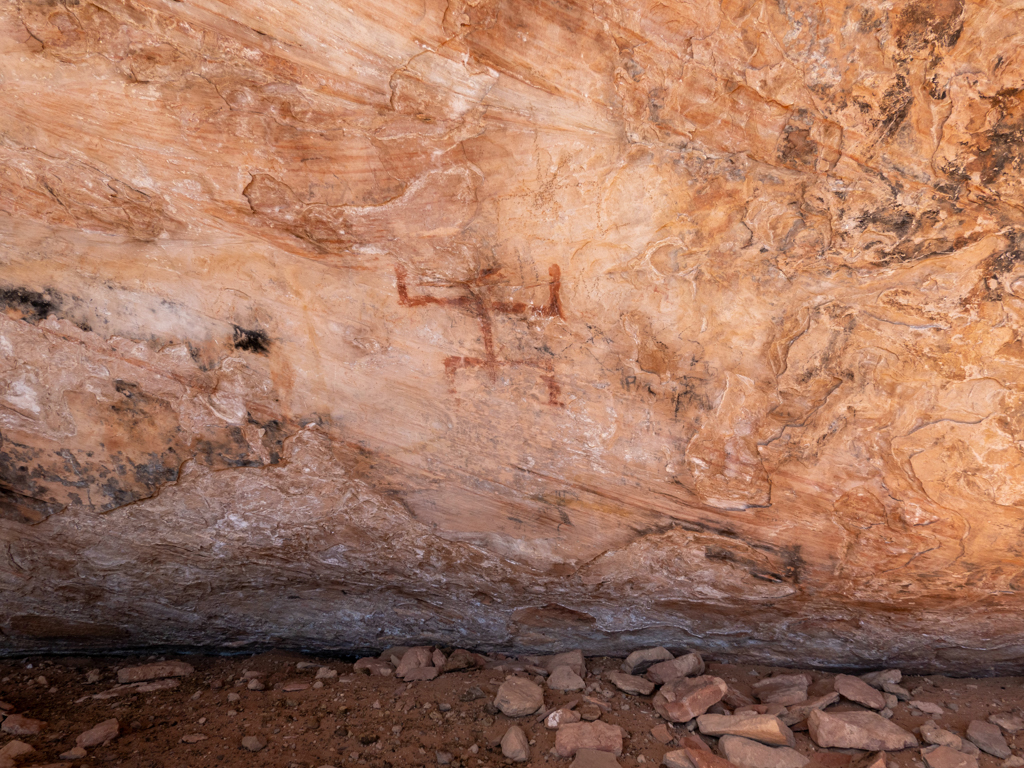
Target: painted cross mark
475	301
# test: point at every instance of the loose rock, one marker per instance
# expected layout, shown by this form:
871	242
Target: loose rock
857	730
421	674
988	738
782	689
564	679
882	678
856	690
461	659
597	735
662	734
19	725
633	684
253	743
372	666
638	662
933	734
676	759
685	666
75	753
799	712
157	671
751	754
572	659
99	734
414	658
763	728
518	697
684	699
594	758
560	716
928	707
1008	722
515	746
946	757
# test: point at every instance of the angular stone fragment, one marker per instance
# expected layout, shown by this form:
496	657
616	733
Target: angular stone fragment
876	760
420	674
988	738
515	746
947	757
639	661
752	754
462	659
75	753
414	658
560	716
564	679
685	666
685	698
970	748
782	689
799	712
19	725
438	659
882	677
856	690
661	733
676	758
933	734
518	697
896	690
572	659
372	666
633	684
857	730
155	671
1008	722
735	699
594	758
13	750
596	735
702	759
98	734
928	707
253	743
764	728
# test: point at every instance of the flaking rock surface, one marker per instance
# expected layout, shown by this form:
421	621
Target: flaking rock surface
514	323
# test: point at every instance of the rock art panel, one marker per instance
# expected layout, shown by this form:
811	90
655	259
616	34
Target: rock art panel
520	325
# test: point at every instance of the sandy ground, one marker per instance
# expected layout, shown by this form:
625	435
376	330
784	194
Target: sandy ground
380	721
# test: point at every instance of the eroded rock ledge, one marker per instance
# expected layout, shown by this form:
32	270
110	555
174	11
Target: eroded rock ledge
514	325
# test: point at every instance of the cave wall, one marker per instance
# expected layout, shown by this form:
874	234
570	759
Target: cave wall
521	324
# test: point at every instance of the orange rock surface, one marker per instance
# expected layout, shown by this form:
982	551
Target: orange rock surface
514	323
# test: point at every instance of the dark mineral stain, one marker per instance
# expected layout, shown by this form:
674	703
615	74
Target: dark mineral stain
254	340
25	509
895	107
929	23
33	306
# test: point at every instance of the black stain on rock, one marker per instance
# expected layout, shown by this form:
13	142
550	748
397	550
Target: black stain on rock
33	306
254	340
895	107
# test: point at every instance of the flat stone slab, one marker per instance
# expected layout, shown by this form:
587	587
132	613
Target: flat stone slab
857	730
752	754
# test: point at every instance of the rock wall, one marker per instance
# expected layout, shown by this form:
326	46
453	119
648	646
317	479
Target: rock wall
519	324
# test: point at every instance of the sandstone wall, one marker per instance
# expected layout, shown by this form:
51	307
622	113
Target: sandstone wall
517	324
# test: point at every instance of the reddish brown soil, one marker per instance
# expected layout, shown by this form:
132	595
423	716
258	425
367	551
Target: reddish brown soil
380	721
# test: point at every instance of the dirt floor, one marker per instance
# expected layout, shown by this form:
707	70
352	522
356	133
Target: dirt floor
350	719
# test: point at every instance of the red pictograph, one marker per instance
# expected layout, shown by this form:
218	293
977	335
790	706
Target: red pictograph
476	301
